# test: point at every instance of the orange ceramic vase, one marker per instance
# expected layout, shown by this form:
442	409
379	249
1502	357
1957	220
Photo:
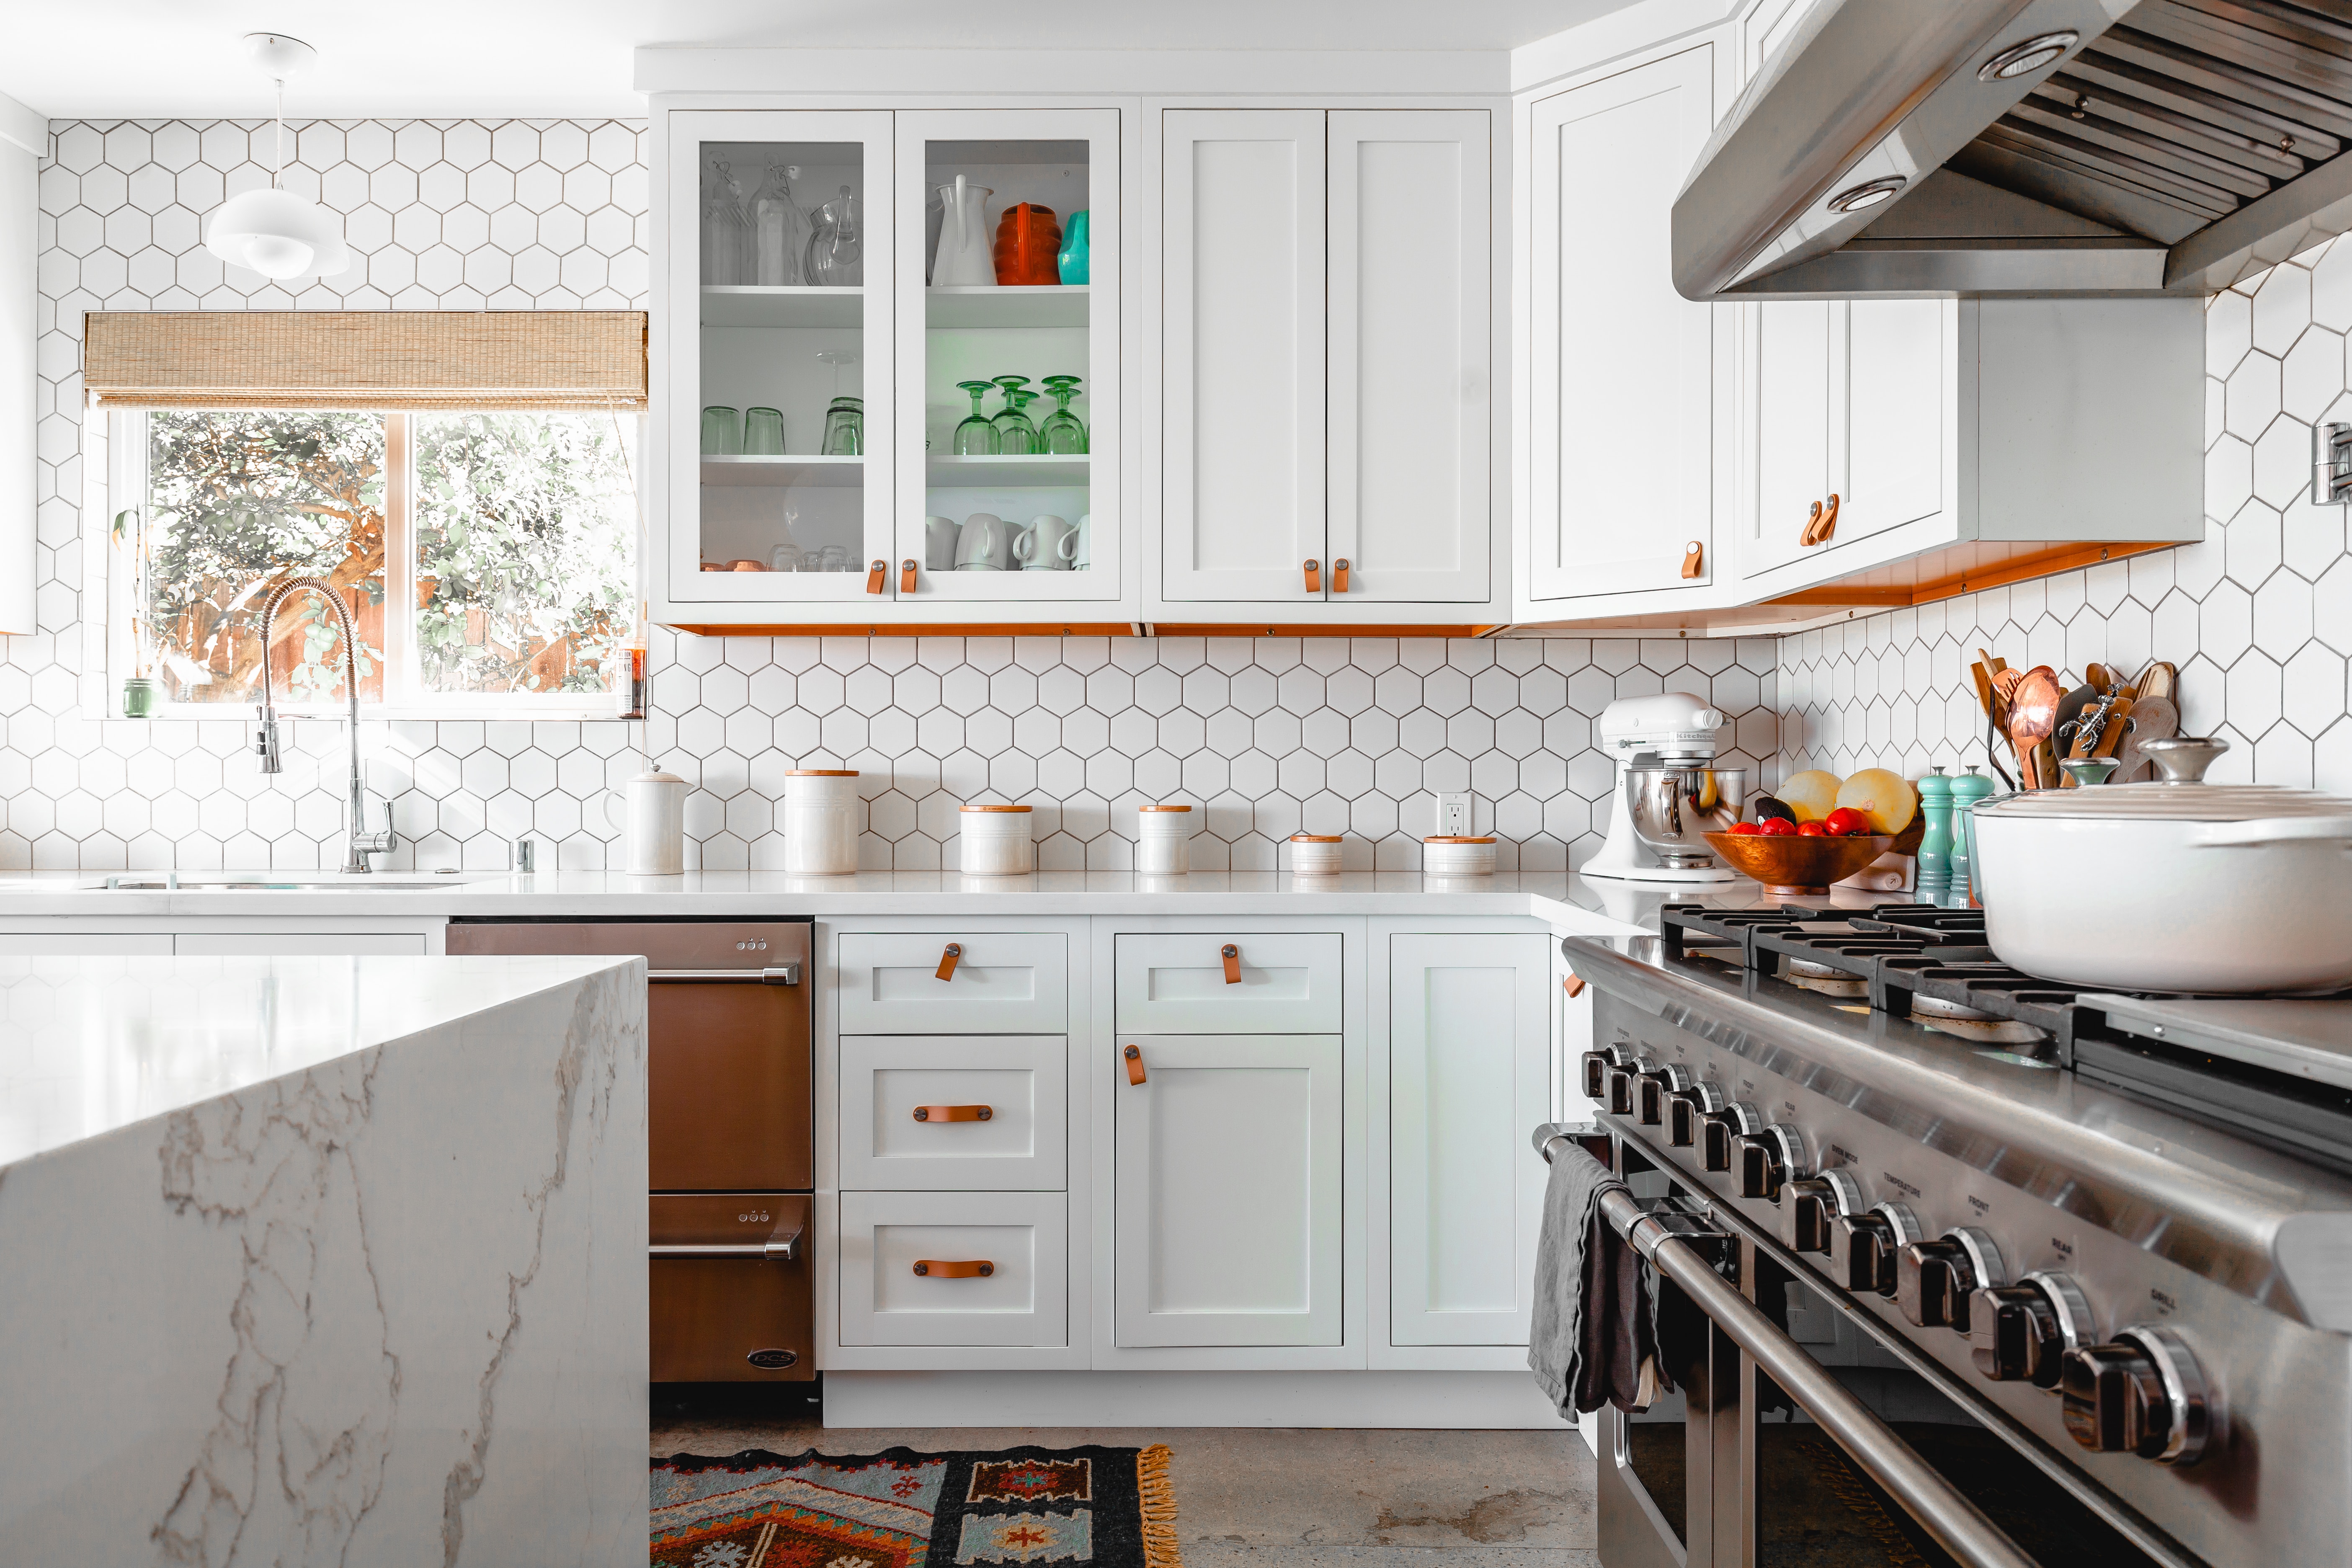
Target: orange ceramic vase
1027	238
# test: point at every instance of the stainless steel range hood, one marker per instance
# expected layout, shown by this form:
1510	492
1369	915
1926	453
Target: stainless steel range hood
2026	147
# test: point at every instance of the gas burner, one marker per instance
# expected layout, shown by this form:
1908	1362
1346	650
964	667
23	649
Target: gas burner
1823	979
1976	1026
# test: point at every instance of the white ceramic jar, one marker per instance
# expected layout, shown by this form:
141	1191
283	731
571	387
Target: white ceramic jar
1447	855
821	811
1315	854
996	841
1164	840
652	825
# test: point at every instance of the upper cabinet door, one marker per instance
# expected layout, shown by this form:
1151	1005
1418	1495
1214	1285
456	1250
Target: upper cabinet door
1791	451
1901	438
1411	326
1622	442
1243	297
1008	372
778	475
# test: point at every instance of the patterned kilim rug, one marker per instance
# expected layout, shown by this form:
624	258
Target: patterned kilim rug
1110	1508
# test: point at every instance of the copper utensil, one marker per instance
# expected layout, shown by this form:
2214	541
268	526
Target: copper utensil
2033	718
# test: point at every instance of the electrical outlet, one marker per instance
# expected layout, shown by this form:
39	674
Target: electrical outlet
1453	813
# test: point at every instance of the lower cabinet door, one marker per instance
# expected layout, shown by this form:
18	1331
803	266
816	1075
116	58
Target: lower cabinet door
924	1112
1227	1224
954	1268
1469	1073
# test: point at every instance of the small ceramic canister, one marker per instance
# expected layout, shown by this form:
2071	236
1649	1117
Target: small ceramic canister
996	841
1164	840
1315	854
821	811
1451	855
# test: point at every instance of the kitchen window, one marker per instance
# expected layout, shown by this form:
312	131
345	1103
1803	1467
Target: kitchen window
471	492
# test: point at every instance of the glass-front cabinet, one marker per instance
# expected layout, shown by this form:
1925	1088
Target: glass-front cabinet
892	365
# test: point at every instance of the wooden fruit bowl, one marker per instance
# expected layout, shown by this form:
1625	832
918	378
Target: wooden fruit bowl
1791	863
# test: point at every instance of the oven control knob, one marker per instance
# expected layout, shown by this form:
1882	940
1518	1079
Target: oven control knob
1650	1094
1687	1108
1808	1206
1934	1279
1768	1160
1863	1246
2021	1332
2141	1394
1596	1071
1724	1126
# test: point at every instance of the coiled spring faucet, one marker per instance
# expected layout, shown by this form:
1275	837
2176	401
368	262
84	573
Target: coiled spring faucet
362	843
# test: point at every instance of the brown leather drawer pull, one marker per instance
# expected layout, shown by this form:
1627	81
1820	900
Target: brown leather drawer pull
874	574
1573	987
1232	957
1340	575
1694	559
1315	576
1134	1054
948	956
941	1269
954	1113
906	575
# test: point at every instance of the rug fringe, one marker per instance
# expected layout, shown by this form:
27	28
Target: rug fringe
1158	1495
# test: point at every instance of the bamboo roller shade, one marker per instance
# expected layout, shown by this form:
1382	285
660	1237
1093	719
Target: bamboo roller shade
366	359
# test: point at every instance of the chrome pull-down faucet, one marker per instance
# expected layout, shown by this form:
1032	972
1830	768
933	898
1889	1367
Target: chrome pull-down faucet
362	843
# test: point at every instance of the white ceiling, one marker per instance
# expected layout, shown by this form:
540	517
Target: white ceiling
157	58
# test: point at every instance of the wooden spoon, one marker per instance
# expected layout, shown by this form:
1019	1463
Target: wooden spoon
2153	719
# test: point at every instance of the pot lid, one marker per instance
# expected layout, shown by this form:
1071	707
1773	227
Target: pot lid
2167	803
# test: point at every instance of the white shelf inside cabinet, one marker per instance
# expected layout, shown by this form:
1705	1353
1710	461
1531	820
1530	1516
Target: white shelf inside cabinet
749	305
1027	472
1026	305
789	470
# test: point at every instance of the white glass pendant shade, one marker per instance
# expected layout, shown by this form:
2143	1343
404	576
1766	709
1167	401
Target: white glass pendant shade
279	234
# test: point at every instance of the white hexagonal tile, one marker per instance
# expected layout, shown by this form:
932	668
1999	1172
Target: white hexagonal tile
2281	308
2250	398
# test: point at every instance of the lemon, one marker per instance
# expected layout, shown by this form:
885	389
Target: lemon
1811	794
1885	798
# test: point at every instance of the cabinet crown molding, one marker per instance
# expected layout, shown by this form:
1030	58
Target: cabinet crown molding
1094	73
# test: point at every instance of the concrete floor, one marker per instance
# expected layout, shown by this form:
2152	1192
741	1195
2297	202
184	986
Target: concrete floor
1252	1497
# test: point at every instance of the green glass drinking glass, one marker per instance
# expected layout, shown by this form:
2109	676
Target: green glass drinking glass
977	436
1019	436
1062	432
722	432
844	429
764	433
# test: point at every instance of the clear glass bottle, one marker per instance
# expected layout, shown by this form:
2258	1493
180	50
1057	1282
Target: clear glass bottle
726	229
836	259
780	230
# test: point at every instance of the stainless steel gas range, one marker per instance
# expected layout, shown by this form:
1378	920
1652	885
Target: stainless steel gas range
2109	1317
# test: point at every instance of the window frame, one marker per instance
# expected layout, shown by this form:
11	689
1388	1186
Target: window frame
123	464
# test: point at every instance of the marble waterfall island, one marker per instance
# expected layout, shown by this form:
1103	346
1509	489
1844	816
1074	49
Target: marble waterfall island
323	1260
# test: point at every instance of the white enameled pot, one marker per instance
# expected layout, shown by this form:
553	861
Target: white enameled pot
2153	886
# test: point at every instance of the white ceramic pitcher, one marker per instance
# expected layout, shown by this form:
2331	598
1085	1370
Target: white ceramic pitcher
652	823
966	255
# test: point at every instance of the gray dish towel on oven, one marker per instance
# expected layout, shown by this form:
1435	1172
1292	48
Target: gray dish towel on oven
1593	1331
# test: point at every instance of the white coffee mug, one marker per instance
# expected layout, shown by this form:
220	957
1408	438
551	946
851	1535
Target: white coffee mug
1082	555
939	543
1051	542
653	822
984	545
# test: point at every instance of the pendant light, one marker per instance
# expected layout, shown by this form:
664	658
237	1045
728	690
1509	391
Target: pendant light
275	232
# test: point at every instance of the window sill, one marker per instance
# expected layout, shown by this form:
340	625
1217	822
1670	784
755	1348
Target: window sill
243	713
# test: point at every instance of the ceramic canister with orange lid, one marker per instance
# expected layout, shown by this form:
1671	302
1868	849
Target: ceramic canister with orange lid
1164	840
820	821
997	840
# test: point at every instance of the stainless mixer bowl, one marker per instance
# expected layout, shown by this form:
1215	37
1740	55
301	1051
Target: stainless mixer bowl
1673	808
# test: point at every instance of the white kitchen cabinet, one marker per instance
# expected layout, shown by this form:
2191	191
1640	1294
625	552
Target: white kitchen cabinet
1627	402
1469	1075
1328	344
1228	1225
1179	983
326	945
954	1268
968	1112
67	943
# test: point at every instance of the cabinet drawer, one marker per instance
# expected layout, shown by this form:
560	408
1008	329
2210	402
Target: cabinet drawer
1009	983
1176	985
1021	1237
1018	1082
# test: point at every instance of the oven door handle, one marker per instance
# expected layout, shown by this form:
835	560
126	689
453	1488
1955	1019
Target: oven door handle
782	1246
1958	1525
774	975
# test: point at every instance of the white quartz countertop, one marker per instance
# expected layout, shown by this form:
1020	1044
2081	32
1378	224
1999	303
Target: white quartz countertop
90	1046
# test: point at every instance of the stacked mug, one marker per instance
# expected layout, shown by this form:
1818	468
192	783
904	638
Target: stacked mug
986	543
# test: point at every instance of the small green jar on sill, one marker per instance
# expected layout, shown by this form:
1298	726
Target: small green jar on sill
142	696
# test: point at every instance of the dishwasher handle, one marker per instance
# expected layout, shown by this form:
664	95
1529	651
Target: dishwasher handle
782	1246
774	975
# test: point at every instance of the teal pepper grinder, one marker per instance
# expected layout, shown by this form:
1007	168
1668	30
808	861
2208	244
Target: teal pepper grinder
1935	842
1072	258
1966	790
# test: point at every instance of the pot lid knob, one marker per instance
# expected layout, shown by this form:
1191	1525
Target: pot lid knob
2183	758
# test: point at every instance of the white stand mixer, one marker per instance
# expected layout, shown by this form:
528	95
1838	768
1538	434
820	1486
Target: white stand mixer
1665	746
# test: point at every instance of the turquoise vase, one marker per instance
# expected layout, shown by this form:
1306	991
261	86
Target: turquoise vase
1072	256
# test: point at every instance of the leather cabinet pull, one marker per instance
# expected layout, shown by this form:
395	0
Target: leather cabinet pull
1134	1056
1315	576
954	1113
1812	520
875	574
1573	987
948	956
1828	525
1340	575
906	575
941	1269
1232	957
1694	559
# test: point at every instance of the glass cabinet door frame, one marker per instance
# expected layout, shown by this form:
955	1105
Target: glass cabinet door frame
1100	128
687	132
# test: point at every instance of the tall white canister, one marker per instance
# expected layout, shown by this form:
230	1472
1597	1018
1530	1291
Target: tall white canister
652	821
1164	840
997	841
821	813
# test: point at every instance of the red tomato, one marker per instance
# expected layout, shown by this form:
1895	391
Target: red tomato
1744	828
1846	822
1776	828
1812	830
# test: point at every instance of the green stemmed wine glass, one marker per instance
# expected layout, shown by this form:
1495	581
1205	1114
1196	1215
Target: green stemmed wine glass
1013	419
976	436
1062	432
